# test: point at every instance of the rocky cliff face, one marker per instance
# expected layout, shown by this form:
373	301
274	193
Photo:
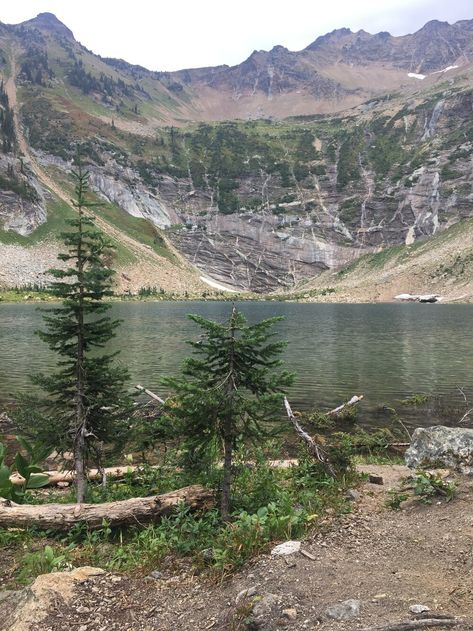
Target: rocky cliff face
22	201
434	47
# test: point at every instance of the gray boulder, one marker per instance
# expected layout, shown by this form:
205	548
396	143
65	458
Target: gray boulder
347	610
440	446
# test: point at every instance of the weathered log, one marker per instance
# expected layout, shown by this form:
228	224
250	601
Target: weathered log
69	476
353	401
138	510
411	625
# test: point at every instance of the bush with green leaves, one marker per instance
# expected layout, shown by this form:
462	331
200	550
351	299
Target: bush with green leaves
424	485
28	466
270	505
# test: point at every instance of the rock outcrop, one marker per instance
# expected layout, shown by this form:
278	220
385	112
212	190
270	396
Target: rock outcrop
22	201
450	447
25	609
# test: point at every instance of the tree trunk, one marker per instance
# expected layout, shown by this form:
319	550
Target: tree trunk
227	478
79	465
228	426
117	472
137	510
80	445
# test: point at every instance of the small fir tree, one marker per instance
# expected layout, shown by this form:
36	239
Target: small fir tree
228	391
86	406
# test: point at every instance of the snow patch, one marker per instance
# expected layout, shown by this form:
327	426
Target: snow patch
215	285
414	75
445	69
410	236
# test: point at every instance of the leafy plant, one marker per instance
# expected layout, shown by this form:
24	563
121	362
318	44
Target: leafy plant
43	561
27	466
427	485
395	499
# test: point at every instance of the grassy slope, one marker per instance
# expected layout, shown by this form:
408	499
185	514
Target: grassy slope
442	264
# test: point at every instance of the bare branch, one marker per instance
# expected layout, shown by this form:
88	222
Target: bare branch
314	448
149	393
353	401
465	416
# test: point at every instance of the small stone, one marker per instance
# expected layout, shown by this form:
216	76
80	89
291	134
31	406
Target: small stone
288	547
264	606
290	614
156	575
63	485
346	610
208	555
353	495
379	596
418	608
82	609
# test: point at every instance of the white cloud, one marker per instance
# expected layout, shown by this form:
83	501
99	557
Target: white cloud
185	33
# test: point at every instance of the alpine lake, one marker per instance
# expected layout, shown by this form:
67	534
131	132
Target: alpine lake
387	352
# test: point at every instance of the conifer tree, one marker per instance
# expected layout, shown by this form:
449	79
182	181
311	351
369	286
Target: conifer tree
86	405
228	391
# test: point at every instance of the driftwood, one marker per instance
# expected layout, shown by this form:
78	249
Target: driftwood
151	394
314	448
411	625
137	510
353	401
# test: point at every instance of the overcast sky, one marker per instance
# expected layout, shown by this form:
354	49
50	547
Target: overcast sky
178	34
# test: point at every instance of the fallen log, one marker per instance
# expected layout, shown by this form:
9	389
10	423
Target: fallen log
138	510
412	625
69	476
353	401
115	473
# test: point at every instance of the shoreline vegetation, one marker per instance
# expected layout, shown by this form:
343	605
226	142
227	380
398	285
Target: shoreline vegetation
30	294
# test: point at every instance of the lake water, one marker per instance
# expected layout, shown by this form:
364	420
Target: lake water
384	351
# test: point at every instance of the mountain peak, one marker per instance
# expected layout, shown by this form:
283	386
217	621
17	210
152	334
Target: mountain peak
334	35
48	21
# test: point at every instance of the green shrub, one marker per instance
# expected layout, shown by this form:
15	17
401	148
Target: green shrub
43	561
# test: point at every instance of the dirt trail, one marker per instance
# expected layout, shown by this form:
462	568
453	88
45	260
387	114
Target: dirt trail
388	560
140	250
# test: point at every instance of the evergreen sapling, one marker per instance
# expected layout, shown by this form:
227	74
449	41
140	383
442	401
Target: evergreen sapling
229	392
86	406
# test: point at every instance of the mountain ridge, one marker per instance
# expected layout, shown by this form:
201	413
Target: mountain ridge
374	153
